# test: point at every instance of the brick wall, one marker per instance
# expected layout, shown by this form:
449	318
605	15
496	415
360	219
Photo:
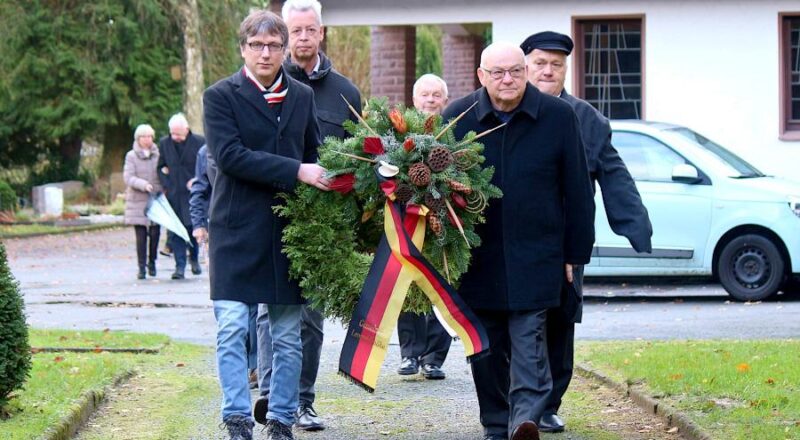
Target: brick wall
461	55
393	62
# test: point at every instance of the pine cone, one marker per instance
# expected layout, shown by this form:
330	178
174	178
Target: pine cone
439	158
419	174
403	193
435	205
436	225
458	186
430	123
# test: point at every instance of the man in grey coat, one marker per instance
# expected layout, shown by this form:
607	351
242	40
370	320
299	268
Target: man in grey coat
263	135
546	56
307	64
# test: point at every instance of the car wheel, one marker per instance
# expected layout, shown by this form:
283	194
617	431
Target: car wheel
750	267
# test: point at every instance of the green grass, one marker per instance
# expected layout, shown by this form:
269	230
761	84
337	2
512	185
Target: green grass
58	380
18	231
733	389
92	339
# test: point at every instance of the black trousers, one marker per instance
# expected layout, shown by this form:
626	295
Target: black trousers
513	381
422	337
142	234
561	341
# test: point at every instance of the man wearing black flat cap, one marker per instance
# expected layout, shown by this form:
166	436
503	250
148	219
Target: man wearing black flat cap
546	56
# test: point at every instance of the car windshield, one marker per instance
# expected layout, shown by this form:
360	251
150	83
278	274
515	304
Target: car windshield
738	167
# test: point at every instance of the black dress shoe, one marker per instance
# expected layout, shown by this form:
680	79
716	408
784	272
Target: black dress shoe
551	423
260	408
196	270
177	275
141	273
525	431
151	269
432	372
408	367
307	418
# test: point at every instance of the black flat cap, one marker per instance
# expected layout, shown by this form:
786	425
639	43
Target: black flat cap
547	40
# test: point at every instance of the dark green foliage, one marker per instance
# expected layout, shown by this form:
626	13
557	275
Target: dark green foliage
74	69
8	198
15	352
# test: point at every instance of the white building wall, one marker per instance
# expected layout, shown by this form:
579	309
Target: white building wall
709	65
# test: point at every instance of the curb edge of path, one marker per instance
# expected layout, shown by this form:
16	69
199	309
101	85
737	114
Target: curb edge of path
87	405
66	230
648	403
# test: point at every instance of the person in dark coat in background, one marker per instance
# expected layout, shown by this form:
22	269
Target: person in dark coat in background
176	167
533	235
263	135
424	342
546	56
307	64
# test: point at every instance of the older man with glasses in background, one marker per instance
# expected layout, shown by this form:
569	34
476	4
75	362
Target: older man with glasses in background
532	236
263	134
309	65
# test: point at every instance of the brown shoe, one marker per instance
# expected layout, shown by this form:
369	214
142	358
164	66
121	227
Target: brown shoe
526	431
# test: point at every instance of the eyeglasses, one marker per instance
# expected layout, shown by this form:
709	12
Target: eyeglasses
515	72
257	46
310	31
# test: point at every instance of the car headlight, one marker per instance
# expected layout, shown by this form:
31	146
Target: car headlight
794	205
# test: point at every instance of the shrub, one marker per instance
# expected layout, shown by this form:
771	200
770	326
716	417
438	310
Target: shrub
8	198
15	352
118	206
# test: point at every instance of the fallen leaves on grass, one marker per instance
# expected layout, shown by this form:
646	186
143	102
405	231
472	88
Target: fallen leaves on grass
743	367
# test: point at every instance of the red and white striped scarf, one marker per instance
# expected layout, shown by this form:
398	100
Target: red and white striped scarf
275	93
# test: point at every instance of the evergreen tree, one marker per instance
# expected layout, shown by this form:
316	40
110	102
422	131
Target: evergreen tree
429	50
15	353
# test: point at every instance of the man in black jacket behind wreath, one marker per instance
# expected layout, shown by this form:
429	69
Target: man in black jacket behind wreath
533	235
309	65
546	56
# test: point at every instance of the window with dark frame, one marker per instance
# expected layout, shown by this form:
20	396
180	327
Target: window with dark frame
610	66
790	89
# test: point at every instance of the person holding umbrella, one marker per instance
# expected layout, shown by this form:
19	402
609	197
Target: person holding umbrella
141	178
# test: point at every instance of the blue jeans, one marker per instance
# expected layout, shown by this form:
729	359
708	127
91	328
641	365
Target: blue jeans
234	322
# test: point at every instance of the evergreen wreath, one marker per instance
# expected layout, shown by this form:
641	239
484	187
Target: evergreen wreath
331	236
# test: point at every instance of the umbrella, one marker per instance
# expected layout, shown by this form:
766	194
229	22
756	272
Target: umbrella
159	211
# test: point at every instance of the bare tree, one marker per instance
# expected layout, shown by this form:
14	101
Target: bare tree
193	54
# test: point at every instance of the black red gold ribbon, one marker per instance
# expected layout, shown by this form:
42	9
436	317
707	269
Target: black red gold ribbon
399	262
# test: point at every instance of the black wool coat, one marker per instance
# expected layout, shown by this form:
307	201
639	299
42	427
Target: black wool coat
258	153
625	211
546	216
180	159
329	86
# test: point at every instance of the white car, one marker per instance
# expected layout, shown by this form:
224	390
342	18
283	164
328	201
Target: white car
712	214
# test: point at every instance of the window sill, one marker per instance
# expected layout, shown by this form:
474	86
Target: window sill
790	135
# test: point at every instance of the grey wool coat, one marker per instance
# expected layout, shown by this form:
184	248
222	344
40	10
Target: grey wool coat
137	173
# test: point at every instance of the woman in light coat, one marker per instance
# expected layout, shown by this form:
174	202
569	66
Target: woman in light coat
141	179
